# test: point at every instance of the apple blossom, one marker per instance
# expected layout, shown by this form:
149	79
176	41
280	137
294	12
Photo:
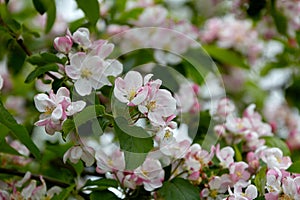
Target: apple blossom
90	72
130	90
74	154
225	155
82	37
63	44
151	174
249	194
56	108
115	161
238	172
273	157
159	105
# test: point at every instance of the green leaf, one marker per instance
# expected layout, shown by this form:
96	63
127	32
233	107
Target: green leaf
103	195
6	148
51	15
294	168
39	6
102	184
64	194
134	140
45	58
130	15
280	20
18	131
238	154
89	113
134	160
179	189
277	142
260	180
68	126
40	71
15	58
226	56
90	9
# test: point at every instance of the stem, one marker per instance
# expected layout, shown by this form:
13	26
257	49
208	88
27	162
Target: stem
34	176
16	37
174	170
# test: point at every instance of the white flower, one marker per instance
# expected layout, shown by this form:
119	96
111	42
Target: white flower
130	90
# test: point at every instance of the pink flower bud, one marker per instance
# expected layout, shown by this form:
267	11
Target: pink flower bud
63	44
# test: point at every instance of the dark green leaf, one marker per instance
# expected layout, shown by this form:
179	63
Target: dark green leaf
15	58
64	194
179	189
260	180
78	167
90	9
226	56
277	142
45	58
39	6
238	150
40	71
51	15
294	168
103	195
18	131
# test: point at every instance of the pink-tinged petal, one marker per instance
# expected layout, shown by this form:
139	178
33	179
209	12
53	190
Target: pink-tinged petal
73	72
42	102
20	183
57	113
83	87
42	122
120	90
63	44
114	68
75	154
82	37
106	50
77	59
143	109
88	156
147	78
27	191
67	155
62	92
75	107
141	96
134	80
251	192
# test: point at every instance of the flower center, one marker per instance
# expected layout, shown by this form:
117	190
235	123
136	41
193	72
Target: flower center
49	110
152	105
131	94
85	73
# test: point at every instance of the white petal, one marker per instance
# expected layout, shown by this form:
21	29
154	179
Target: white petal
114	68
133	80
83	87
42	102
62	92
75	107
57	113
